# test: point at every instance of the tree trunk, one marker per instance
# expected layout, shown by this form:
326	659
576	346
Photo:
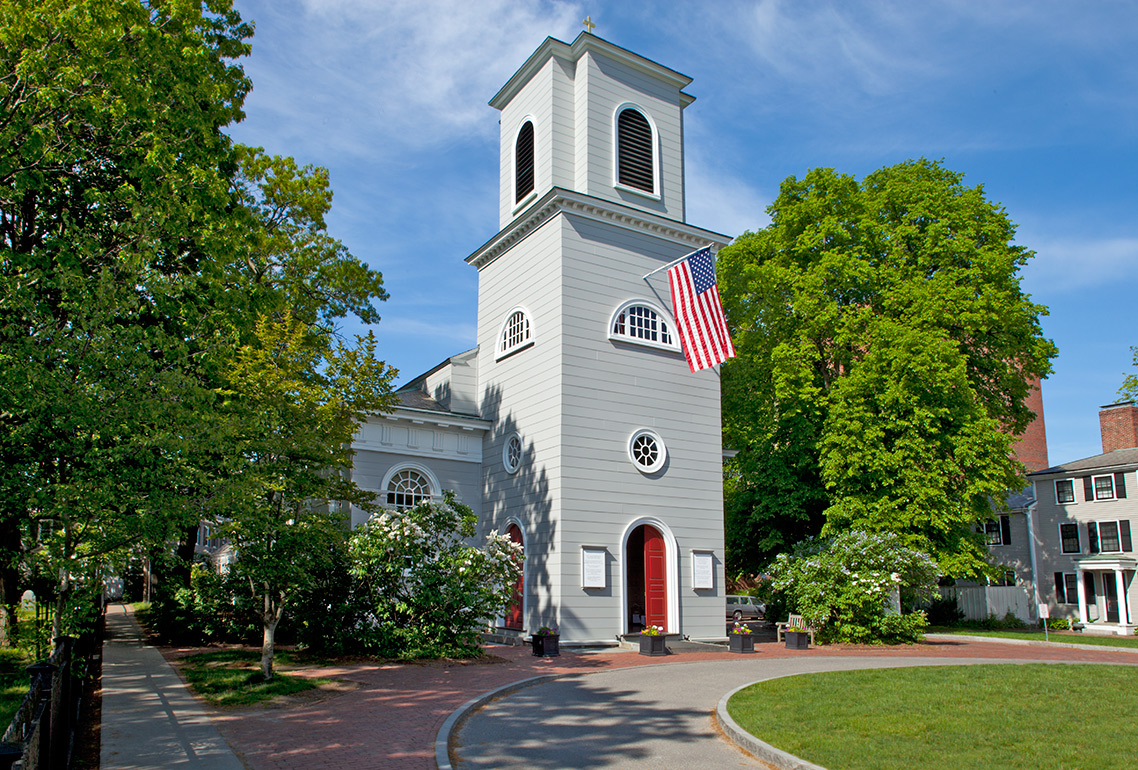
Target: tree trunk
270	619
187	546
61	599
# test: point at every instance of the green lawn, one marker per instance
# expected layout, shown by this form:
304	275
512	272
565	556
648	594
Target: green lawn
1037	636
997	717
233	678
14	683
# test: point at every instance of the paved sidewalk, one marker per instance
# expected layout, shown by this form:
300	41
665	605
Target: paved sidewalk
150	720
393	716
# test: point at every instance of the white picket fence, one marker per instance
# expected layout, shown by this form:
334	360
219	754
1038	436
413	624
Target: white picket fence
978	602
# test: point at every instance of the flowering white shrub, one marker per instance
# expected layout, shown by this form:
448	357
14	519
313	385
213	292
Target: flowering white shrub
843	584
431	590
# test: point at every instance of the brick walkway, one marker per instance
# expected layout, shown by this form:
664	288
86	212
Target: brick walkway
392	717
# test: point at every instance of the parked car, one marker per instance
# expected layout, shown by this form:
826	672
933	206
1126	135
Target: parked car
745	607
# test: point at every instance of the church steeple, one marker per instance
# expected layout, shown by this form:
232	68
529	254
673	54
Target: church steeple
593	118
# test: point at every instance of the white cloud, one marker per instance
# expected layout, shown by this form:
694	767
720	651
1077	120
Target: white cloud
461	334
1070	265
373	78
724	203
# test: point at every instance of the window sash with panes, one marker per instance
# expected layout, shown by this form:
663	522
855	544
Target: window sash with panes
1064	491
1109	536
1104	487
1066	588
1069	538
998	531
642	323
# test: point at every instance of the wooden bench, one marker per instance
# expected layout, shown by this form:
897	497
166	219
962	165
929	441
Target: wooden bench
793	621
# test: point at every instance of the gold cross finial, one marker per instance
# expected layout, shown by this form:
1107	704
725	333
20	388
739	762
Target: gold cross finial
589	25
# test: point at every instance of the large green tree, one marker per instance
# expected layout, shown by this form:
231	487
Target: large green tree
295	405
113	164
885	353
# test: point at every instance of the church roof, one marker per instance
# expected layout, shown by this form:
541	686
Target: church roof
572	52
417	399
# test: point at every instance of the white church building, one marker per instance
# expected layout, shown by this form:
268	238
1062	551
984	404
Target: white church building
575	424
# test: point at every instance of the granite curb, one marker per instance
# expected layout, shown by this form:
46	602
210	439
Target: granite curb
760	749
442	740
1031	642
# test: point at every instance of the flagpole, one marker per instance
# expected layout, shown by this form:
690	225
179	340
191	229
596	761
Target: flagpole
676	261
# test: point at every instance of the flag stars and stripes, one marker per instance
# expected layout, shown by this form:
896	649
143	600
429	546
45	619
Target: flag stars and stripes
699	312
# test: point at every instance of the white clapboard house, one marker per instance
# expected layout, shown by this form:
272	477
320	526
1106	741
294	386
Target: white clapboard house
576	424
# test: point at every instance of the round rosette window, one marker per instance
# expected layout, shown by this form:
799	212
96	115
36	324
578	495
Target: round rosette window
512	453
646	450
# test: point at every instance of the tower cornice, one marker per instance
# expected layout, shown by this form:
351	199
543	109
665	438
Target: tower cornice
572	52
559	200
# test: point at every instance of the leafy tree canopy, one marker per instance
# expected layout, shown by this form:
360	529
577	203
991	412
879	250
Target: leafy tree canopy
1129	387
885	354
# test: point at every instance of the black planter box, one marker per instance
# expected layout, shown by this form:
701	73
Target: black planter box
742	642
652	645
547	646
797	640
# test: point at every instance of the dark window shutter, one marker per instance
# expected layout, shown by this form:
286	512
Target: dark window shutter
1124	535
634	165
523	162
1006	529
1092	536
1088	489
1120	485
1060	588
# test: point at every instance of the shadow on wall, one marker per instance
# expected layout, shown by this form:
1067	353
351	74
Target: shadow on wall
522	496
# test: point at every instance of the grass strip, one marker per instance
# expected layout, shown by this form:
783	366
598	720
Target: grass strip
233	678
985	717
14	683
1037	636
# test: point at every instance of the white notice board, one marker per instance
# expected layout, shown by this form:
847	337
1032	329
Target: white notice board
593	568
702	570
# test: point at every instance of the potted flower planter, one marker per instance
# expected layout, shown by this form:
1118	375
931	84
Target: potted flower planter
652	645
546	645
797	640
742	642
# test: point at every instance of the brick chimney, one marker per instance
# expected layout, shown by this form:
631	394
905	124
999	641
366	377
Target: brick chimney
1119	425
1031	448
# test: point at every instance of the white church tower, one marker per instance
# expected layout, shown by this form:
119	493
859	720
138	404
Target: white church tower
603	451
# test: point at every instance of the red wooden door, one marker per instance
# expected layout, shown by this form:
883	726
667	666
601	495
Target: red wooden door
655	579
514	613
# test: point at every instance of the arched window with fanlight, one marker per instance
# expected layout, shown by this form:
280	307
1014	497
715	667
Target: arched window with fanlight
524	162
407	487
643	323
516	333
635	151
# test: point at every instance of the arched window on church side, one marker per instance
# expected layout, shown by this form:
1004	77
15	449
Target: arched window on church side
635	165
641	323
407	488
523	162
516	333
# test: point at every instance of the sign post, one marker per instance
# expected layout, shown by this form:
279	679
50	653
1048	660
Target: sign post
1044	614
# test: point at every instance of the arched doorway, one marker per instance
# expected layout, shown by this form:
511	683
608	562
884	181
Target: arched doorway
514	614
646	576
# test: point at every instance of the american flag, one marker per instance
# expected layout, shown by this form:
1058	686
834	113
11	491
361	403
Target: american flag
698	311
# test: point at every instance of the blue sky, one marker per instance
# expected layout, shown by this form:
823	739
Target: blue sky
1035	100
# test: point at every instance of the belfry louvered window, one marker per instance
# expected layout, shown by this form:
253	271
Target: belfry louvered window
634	161
523	162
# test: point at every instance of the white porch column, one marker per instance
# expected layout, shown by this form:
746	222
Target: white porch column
1123	605
1082	595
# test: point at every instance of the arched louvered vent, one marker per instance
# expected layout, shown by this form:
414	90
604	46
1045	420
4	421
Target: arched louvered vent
523	162
634	151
